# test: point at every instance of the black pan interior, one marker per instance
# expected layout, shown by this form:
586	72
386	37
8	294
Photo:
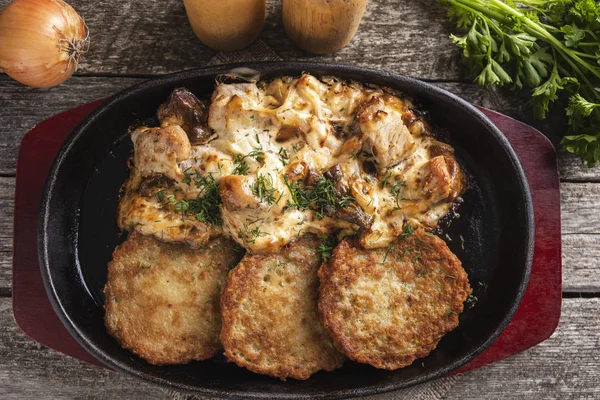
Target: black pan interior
493	236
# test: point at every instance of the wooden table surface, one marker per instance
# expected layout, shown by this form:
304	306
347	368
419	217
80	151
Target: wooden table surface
133	40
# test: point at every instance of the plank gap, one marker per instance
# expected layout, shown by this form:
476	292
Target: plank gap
6	291
580	295
121	75
575	180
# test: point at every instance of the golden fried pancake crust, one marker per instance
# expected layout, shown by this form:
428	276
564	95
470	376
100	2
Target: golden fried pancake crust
162	300
270	319
389	306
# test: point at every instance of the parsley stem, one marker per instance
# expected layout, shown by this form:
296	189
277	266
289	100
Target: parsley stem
547	37
531	27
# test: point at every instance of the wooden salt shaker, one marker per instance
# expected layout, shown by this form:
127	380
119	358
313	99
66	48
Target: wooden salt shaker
226	25
322	26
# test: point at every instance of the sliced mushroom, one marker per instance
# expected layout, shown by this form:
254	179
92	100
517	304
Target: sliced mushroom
353	214
340	185
186	110
155	181
288	132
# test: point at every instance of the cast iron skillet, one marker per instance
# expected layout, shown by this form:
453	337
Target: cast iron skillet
77	234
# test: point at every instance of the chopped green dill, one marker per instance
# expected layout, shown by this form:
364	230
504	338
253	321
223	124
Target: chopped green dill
385	256
462	242
368	180
144	266
325	200
449	314
407	231
320	198
160	196
396	189
342	109
472	301
187	179
263	189
345	200
301	198
241	167
450	276
417	258
258	141
180	205
386	181
483	286
405	252
252	116
206	206
326	247
283	156
249	235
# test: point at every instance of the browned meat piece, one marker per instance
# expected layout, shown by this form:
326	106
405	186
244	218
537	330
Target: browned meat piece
186	110
384	133
446	180
236	193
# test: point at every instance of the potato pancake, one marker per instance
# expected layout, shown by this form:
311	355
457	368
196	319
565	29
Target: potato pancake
162	300
270	319
387	307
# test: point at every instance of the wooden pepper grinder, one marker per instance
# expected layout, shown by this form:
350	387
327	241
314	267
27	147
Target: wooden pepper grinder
226	25
322	26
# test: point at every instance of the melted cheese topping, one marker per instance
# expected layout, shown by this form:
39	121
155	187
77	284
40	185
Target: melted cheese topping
268	136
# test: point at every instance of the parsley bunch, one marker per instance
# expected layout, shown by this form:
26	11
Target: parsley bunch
550	47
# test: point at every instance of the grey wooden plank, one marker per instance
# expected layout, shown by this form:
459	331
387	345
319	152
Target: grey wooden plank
7	189
154	37
565	366
31	371
513	104
580	203
581	241
402	36
572	169
581	263
23	107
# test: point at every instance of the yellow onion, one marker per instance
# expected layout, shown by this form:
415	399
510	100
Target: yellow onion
41	41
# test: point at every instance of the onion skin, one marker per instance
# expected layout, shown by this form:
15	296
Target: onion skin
41	41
